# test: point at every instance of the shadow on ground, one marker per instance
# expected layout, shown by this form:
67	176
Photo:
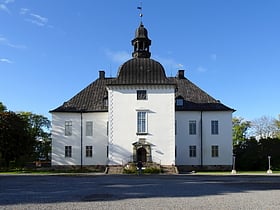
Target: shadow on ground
92	188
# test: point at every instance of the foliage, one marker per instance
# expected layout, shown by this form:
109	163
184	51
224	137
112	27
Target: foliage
148	170
16	142
39	131
24	137
2	107
277	125
264	127
239	129
252	155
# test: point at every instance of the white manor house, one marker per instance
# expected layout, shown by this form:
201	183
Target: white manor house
142	115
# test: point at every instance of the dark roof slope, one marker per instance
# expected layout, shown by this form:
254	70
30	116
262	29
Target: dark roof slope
141	71
194	98
94	98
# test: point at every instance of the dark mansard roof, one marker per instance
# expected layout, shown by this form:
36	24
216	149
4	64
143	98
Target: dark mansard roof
141	70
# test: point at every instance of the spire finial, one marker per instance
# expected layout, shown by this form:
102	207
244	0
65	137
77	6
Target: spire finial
141	14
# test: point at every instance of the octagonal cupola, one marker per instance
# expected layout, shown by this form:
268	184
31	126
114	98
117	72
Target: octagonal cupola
141	43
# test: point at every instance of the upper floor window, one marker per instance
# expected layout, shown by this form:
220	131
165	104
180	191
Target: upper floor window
141	95
68	128
179	102
89	128
105	101
192	127
141	122
214	127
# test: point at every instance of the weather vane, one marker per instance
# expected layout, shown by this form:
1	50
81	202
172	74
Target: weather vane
140	8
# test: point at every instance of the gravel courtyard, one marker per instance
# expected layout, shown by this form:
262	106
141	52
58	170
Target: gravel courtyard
140	192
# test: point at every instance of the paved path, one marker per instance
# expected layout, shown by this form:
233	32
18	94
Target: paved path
140	192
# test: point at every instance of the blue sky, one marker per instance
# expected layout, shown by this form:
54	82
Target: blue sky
50	50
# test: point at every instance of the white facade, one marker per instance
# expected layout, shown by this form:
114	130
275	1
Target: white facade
203	139
98	140
123	109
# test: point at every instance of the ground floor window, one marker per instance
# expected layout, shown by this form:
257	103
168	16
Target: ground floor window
68	151
215	151
88	151
192	151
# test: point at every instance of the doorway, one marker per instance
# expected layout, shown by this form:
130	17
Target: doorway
141	155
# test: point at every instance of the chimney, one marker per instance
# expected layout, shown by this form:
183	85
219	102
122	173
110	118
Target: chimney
181	74
101	74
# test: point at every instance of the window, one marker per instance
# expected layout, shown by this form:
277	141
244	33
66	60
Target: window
68	128
89	128
88	151
179	102
214	127
141	95
192	127
141	122
192	151
215	151
68	151
105	101
107	128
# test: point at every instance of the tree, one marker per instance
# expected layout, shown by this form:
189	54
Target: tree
277	124
264	127
3	108
38	127
15	140
24	137
239	129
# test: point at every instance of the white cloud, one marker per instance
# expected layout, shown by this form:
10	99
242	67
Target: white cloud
9	1
4	8
213	57
5	60
169	63
6	42
37	19
23	11
33	18
201	69
118	56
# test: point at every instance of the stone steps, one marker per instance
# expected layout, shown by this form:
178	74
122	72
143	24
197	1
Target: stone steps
169	169
114	170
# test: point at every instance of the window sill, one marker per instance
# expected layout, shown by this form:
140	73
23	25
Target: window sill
141	134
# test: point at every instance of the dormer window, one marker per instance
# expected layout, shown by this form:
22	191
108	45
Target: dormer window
105	101
141	95
179	102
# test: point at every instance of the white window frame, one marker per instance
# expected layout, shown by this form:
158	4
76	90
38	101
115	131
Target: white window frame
89	128
192	151
68	151
68	128
215	151
192	127
179	102
142	122
89	151
215	127
141	95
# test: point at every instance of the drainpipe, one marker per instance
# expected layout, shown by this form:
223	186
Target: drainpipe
201	141
81	140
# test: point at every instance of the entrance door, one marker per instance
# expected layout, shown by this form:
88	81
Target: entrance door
141	155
